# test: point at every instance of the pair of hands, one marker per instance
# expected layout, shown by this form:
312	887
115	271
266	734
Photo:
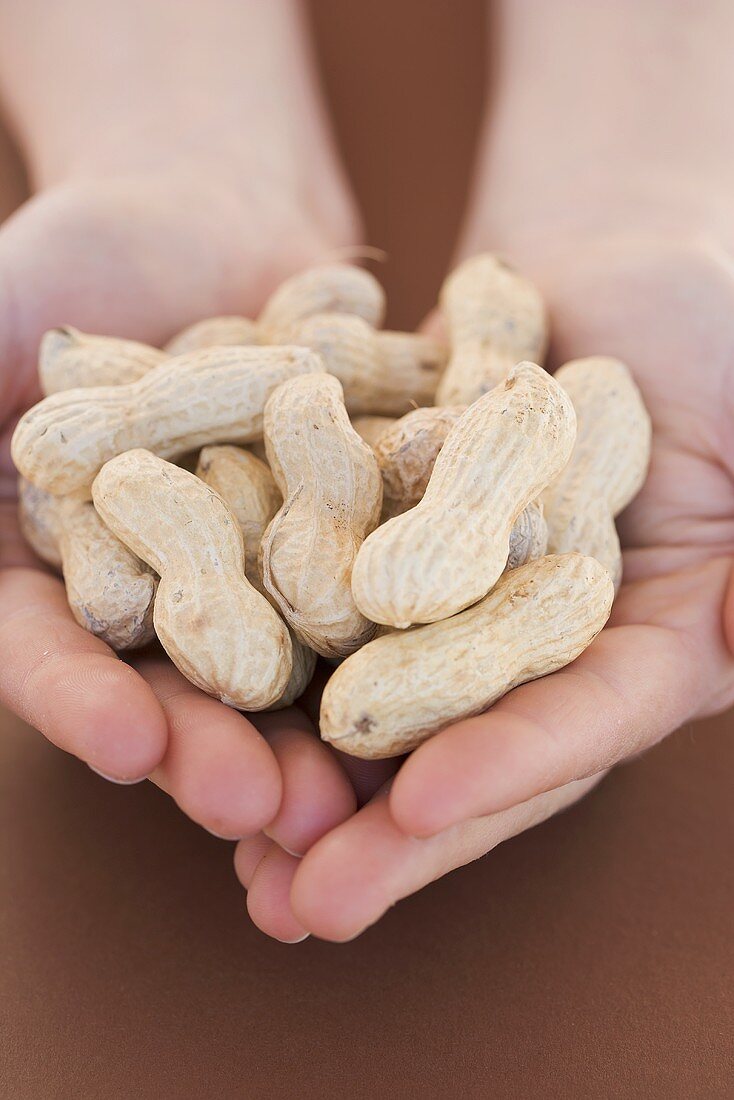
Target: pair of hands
125	256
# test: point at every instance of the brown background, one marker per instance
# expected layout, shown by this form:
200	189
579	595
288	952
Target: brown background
590	958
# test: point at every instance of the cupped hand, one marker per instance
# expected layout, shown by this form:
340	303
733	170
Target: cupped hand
665	307
141	257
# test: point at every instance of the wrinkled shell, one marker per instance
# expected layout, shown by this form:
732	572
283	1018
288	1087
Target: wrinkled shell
38	519
406	455
216	628
529	536
214	332
609	462
495	318
211	396
332	494
304	666
407	452
448	551
248	488
325	288
372	427
398	690
110	591
383	373
69	359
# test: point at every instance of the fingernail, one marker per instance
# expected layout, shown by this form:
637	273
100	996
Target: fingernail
290	851
299	940
221	836
114	778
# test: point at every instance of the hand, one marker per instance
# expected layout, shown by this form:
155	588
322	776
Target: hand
666	308
142	256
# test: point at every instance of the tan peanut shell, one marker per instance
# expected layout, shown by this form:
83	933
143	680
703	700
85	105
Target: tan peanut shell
399	689
448	551
248	488
495	318
69	359
304	666
609	462
110	591
371	427
332	494
211	396
216	628
407	452
324	288
38	520
529	536
214	332
384	373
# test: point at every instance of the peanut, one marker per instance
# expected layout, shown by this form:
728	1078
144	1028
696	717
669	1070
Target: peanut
494	318
38	520
406	454
448	551
372	427
332	494
384	373
211	396
339	288
216	628
247	487
399	689
69	359
609	462
529	536
110	591
325	288
214	332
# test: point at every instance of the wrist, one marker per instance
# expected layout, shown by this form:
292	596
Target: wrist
530	220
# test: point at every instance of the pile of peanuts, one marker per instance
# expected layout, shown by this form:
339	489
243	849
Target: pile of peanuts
435	519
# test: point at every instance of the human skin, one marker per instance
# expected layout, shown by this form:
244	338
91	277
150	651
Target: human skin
608	182
114	242
162	193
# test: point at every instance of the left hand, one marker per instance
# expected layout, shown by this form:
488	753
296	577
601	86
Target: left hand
665	307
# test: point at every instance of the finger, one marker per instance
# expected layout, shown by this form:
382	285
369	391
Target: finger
217	767
317	794
366	776
247	855
70	685
268	898
634	685
351	877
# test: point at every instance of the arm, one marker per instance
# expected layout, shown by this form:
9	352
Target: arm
107	89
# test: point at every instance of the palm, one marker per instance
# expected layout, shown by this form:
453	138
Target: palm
668	313
663	659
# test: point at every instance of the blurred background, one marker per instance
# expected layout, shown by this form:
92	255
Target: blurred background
591	957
